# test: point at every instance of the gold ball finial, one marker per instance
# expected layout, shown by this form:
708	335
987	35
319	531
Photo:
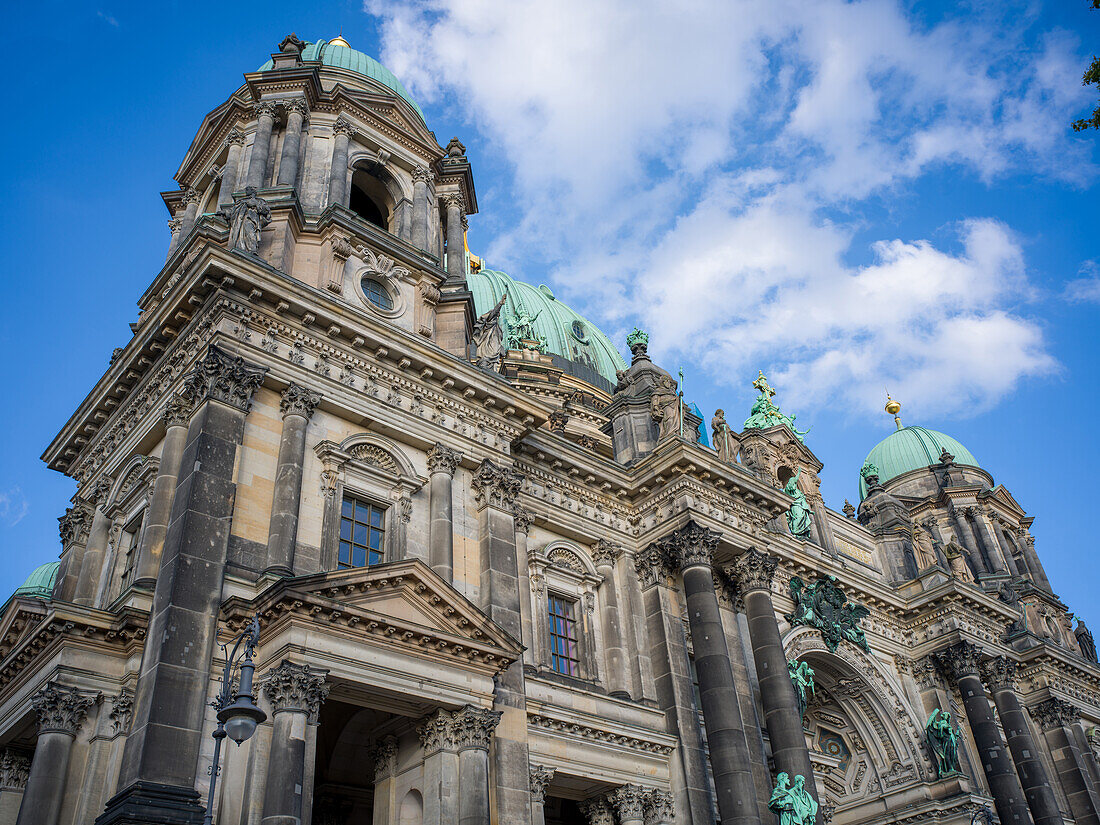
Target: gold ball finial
339	41
893	407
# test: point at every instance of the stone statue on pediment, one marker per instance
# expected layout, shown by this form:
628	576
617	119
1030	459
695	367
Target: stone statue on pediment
246	218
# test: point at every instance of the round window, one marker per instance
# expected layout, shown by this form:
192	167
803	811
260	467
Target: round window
377	294
578	331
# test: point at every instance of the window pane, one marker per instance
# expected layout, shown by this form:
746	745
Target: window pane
375	517
347	507
362	512
358	556
345	530
375	558
345	553
375	539
360	536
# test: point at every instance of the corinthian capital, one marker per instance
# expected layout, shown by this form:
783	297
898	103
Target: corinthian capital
651	564
438	733
297	106
298	400
540	777
454	199
629	801
15	767
598	811
474	727
422	175
959	660
177	412
223	377
1055	713
60	708
442	459
234	138
660	808
605	553
753	570
999	673
496	486
343	126
75	524
692	545
265	108
385	758
295	687
190	195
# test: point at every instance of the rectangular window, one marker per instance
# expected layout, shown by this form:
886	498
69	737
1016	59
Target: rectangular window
361	533
128	543
563	636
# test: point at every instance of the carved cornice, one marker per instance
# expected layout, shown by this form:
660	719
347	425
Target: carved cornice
60	708
999	673
539	778
291	687
496	486
177	412
223	377
1054	713
442	459
691	546
753	570
15	767
298	400
959	660
605	553
573	729
385	758
630	801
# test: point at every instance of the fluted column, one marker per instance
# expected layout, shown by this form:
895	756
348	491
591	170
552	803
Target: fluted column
999	674
177	412
523	520
157	776
261	144
1055	716
691	549
296	113
540	778
999	542
74	528
629	802
342	132
91	565
297	406
604	555
753	571
231	170
296	694
59	712
422	181
960	664
442	463
456	248
474	730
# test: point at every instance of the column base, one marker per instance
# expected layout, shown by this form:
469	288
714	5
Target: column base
151	803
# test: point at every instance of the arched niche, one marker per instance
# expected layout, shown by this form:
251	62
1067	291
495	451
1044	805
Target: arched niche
378	195
412	809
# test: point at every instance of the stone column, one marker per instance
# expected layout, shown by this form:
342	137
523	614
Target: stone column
540	778
174	225
474	729
659	808
1083	744
966	537
691	548
629	802
456	249
753	571
523	519
261	144
495	490
442	463
996	535
60	712
1008	547
996	561
231	170
422	182
15	766
604	555
190	213
296	113
74	527
297	406
438	741
960	664
384	810
1055	716
157	777
635	629
342	132
1026	543
91	565
177	413
1000	675
296	694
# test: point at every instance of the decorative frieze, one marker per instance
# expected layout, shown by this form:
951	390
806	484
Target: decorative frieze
296	688
959	660
999	673
60	708
1055	713
753	570
298	400
442	459
223	377
496	486
540	778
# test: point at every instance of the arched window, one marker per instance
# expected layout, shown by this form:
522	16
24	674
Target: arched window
370	199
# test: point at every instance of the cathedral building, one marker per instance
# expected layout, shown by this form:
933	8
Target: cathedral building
487	571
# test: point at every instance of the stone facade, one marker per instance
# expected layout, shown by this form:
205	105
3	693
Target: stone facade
483	598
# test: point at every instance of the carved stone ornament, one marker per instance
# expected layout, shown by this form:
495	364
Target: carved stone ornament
15	767
177	412
629	801
959	660
122	711
247	216
496	486
651	565
557	421
298	400
75	524
343	126
296	106
385	758
422	175
753	570
454	200
295	688
824	606
474	727
999	673
60	708
1055	713
599	811
692	545
223	377
660	807
455	148
605	553
265	108
234	138
540	778
523	518
100	492
442	459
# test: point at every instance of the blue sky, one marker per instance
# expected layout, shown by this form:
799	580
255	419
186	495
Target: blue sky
850	196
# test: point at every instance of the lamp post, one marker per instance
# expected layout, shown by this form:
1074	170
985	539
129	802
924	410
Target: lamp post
238	715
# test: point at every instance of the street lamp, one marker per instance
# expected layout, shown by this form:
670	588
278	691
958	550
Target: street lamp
238	715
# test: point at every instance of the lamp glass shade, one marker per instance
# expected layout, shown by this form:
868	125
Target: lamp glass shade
241	718
240	728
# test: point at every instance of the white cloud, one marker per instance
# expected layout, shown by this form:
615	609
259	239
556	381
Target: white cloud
13	506
705	167
1087	287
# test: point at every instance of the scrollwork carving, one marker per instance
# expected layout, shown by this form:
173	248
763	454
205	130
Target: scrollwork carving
442	459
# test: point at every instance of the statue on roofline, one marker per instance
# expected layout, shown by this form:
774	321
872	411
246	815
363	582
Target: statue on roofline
765	413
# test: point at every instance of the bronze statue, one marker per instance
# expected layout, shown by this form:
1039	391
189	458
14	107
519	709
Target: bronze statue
489	337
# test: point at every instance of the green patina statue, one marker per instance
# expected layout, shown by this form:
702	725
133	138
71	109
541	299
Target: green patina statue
944	742
521	331
824	606
791	802
802	677
637	337
869	471
765	413
798	516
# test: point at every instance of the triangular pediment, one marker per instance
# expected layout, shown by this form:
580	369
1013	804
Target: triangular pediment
1003	497
385	111
401	603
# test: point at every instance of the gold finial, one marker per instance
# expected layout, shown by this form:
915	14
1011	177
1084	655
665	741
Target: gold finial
340	41
893	407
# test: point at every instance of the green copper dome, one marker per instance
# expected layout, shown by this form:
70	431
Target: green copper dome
39	584
344	57
569	335
913	448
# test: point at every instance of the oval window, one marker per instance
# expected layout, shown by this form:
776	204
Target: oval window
579	331
377	294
